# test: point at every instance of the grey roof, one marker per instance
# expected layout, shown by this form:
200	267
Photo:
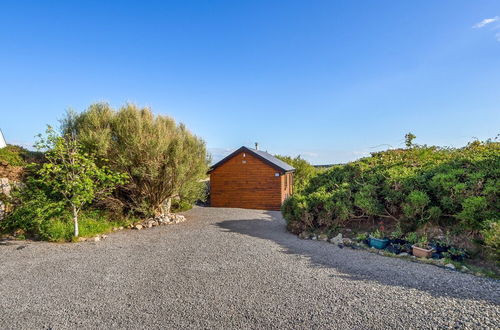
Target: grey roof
266	157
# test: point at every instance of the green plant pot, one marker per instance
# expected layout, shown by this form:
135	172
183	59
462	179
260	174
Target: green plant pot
379	243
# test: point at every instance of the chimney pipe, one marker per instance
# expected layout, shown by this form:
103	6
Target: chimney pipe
256	145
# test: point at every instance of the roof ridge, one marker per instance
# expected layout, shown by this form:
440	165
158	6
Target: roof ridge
263	155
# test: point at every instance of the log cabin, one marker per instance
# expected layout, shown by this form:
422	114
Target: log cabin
251	179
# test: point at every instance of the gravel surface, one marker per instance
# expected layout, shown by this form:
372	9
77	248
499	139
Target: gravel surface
231	268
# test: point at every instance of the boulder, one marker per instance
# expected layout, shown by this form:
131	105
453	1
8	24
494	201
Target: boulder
138	227
337	239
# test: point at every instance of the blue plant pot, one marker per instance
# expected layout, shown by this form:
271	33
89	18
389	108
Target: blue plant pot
378	243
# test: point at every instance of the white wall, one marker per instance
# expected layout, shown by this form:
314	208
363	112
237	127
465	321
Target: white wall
2	140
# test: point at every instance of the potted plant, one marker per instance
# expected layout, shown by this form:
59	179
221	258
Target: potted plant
378	240
421	249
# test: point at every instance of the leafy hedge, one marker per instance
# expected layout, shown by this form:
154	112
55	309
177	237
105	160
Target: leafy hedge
420	185
18	156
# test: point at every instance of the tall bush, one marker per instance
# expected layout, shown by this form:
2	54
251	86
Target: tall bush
163	160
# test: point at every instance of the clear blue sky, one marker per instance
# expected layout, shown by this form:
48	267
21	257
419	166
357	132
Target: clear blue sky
330	80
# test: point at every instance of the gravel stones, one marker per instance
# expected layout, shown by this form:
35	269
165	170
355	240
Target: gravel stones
232	269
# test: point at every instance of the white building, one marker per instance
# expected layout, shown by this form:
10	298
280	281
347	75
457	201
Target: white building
2	140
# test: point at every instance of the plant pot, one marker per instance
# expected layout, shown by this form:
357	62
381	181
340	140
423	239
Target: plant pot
378	243
421	252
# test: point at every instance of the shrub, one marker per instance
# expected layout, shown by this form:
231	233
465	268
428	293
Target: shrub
304	171
73	174
492	238
162	159
18	156
457	189
39	216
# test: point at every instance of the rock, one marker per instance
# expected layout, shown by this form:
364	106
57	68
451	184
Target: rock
347	241
104	236
120	228
96	239
115	228
314	238
81	239
450	266
465	269
337	239
323	237
304	235
403	254
138	227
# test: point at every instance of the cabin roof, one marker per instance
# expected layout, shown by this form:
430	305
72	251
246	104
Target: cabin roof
262	155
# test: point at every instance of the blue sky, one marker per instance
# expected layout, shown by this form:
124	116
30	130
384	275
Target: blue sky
329	80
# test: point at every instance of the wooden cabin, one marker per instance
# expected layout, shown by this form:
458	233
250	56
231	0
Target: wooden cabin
251	179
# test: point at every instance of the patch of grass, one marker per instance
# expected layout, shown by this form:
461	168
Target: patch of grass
91	223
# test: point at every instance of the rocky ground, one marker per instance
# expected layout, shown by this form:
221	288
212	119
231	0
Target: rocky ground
231	268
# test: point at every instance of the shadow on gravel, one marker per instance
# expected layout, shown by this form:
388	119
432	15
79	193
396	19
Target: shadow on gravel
361	265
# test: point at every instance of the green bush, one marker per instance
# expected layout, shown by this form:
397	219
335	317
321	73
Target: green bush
304	171
41	215
413	187
18	156
163	159
492	238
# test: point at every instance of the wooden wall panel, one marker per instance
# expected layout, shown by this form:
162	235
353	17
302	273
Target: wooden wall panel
245	181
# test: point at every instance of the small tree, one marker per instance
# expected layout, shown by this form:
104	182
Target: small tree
409	137
74	174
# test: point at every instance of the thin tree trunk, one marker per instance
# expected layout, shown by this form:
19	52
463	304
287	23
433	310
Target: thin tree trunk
75	220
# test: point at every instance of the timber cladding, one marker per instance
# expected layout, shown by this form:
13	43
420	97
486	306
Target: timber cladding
245	180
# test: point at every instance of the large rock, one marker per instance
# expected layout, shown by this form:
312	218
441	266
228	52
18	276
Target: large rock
337	239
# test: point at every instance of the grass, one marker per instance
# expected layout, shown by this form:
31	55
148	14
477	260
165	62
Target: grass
91	223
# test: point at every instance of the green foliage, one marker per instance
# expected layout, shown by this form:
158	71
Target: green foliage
492	238
17	156
422	242
33	210
303	171
73	174
455	188
409	139
162	159
361	237
40	215
377	234
412	238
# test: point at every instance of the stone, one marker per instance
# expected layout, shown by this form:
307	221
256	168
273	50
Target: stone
120	228
96	239
304	235
104	236
82	239
465	269
337	239
115	228
403	254
323	237
450	266
314	238
347	241
138	227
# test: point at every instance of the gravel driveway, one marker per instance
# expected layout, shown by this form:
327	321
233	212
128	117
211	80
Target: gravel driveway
231	268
